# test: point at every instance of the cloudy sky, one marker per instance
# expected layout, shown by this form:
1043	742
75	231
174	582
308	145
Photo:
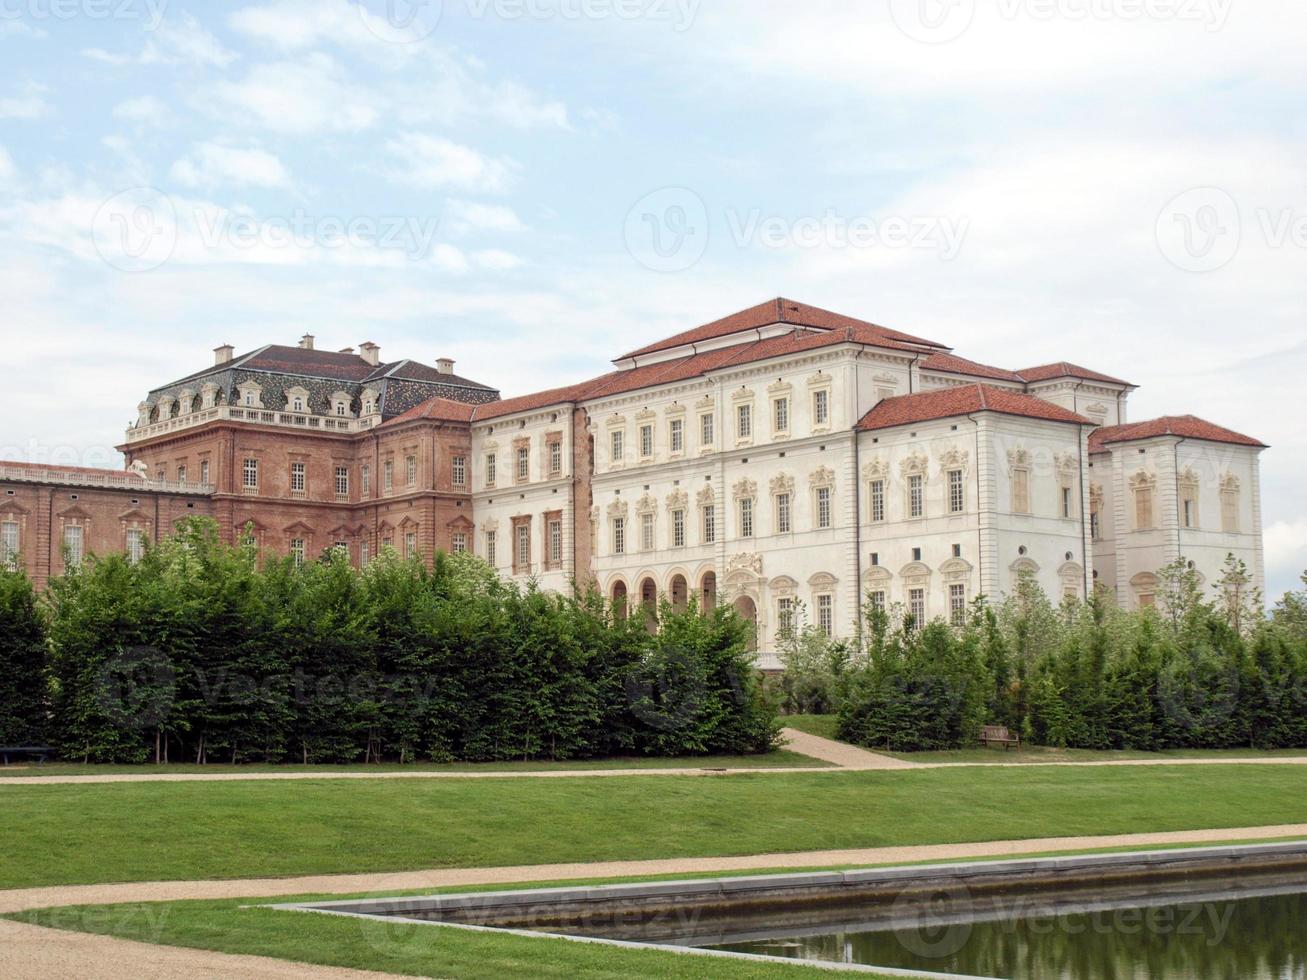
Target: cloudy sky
535	186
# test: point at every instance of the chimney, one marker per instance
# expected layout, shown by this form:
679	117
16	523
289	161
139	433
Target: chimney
445	365
370	352
306	342
221	355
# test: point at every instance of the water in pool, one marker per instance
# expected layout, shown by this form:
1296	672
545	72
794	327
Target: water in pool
1218	936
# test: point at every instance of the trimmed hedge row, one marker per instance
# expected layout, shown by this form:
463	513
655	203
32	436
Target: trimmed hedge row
196	653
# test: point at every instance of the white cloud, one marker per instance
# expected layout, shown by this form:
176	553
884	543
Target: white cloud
8	169
497	260
144	111
431	162
210	165
297	25
28	104
175	41
307	96
462	217
17	28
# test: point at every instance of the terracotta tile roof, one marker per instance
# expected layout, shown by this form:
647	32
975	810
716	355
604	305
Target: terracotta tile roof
781	311
1064	369
952	364
946	403
1182	426
435	409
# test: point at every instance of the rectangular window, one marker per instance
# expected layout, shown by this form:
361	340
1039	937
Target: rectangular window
878	601
181	474
916	496
460	543
646	532
364	553
917	607
877	501
523	547
410	544
555	543
1021	491
492	469
9	544
826	613
388	475
459	466
676	435
820	407
957	498
1143	508
785	615
251	474
1095	524
204	472
619	535
823	507
523	464
1188	513
367	479
678	529
707	430
957	605
709	524
781	415
744	421
411	467
135	544
555	459
1230	511
492	548
617	442
297	550
783	522
342	482
162	475
1066	502
646	441
297	478
746	517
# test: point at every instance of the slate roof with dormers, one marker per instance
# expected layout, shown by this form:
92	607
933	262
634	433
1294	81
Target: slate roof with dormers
943	403
1179	426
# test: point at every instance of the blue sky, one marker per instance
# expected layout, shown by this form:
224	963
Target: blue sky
535	186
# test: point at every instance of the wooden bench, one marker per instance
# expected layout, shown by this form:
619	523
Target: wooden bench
41	752
1000	735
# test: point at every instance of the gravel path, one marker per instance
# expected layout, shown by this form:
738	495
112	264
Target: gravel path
840	753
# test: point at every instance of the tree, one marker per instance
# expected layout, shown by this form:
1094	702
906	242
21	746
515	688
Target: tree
24	701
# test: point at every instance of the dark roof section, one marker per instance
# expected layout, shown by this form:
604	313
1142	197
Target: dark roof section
953	364
351	368
946	403
1064	369
1180	426
775	311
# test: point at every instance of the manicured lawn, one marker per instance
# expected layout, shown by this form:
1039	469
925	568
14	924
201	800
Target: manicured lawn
65	834
822	725
771	760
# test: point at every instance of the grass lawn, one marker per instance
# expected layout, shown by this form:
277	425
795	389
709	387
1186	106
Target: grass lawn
771	760
822	725
67	834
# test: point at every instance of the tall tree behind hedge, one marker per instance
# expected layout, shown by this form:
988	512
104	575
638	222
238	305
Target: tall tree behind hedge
24	701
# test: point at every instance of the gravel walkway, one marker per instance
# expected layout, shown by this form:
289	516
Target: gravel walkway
840	753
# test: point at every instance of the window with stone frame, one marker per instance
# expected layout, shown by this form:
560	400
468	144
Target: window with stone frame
917	607
135	544
877	497
492	548
826	613
784	616
1188	488
1143	486
957	604
204	472
1230	505
676	436
784	517
250	474
554	535
646	532
744	421
619	535
459	543
709	516
411	471
555	456
458	470
181	472
746	517
521	546
298	479
364	553
9	544
821	407
617	446
492	469
823	507
876	598
342	483
678	528
780	416
916	495
297	549
707	430
646	442
957	494
410	544
365	475
388	475
1021	490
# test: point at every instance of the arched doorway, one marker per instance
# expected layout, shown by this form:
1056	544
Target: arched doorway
708	591
680	591
619	599
748	611
649	602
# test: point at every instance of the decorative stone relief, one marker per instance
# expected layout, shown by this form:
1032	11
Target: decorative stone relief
877	469
954	458
618	508
646	504
782	483
745	488
678	500
706	496
822	476
914	463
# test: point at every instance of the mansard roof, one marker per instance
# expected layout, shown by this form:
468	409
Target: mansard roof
1179	426
781	311
953	364
943	403
1065	369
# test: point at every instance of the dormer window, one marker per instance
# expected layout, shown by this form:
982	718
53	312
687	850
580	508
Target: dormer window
248	399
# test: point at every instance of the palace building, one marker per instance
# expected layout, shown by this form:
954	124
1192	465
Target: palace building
783	457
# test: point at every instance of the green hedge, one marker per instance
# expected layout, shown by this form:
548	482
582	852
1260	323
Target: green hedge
198	653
